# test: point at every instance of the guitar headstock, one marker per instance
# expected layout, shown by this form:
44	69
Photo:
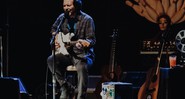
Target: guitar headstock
114	33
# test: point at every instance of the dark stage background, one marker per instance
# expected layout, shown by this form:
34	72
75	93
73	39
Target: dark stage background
25	27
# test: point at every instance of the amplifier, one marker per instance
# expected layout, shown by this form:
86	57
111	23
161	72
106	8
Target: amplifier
153	47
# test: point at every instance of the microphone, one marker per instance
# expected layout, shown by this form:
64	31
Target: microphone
66	13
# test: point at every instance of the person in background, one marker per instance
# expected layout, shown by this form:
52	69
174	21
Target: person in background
155	86
164	23
166	36
74	33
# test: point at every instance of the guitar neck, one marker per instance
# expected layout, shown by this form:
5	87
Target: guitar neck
112	53
112	58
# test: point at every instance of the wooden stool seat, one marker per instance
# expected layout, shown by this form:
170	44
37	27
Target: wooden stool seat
71	68
71	74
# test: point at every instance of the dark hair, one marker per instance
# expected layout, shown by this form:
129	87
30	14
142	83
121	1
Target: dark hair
78	5
165	32
168	19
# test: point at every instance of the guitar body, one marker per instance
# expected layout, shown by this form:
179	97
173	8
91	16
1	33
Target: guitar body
149	89
65	43
61	38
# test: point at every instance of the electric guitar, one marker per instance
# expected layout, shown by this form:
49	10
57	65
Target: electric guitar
64	41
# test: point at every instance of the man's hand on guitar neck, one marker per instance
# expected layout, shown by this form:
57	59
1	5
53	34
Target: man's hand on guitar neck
82	43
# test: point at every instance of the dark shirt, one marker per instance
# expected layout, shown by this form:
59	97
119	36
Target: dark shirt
166	47
83	28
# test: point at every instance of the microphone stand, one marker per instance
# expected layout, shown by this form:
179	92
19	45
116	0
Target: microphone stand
52	43
163	38
160	54
1	48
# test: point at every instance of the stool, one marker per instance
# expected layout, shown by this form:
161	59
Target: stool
71	74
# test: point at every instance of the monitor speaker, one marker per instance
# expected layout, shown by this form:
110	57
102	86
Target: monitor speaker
11	88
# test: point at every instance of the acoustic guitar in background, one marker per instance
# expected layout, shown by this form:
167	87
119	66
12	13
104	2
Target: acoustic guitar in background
149	89
111	72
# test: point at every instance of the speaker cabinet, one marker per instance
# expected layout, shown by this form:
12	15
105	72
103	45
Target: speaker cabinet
176	83
11	88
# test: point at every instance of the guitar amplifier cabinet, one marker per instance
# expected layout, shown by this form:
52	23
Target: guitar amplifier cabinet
12	88
117	90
